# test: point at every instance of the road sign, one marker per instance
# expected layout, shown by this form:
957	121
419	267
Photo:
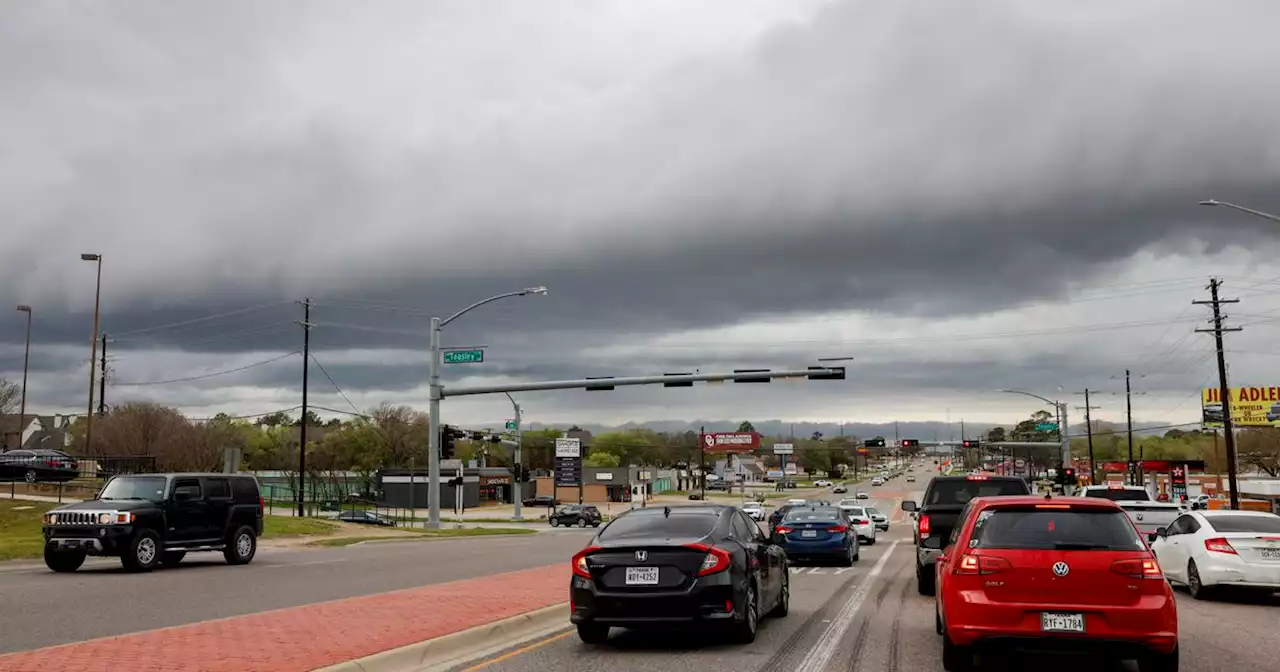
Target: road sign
568	448
1046	426
513	425
568	471
450	465
783	449
463	356
731	442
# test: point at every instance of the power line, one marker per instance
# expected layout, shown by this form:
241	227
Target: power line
335	384
209	375
199	320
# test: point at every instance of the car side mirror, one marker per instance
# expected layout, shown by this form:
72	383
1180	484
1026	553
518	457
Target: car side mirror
908	506
1161	532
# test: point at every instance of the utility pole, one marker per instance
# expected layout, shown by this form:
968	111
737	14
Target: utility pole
1128	411
702	462
517	488
1088	422
102	380
1227	430
302	430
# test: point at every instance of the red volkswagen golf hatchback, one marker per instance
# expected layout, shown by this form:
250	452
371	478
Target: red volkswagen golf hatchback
1065	575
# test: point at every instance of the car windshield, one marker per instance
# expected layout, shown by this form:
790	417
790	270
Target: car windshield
683	522
1055	529
854	510
959	491
135	487
1119	494
1268	524
812	515
849	502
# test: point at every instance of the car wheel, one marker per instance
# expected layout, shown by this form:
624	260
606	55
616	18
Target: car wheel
956	658
172	558
784	597
553	522
142	553
582	522
592	633
68	561
872	540
595	524
1197	589
241	546
924	580
744	632
30	476
851	558
1159	662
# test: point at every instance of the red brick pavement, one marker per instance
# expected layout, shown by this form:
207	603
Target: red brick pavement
311	636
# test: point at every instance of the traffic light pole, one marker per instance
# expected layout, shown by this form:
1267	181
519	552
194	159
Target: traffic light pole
517	477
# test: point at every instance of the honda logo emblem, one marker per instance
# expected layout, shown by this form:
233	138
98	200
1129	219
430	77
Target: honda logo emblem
641	556
1061	568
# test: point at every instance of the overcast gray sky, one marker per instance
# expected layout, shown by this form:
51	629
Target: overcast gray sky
962	196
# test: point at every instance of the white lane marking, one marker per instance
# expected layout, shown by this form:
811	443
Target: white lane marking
304	564
831	638
816	570
842	570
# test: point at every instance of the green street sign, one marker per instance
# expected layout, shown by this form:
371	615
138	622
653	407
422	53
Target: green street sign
463	356
511	425
1046	427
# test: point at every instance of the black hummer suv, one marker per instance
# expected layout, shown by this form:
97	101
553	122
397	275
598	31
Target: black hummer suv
152	519
936	515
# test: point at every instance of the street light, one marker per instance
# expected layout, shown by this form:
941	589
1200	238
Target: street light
1061	408
1265	215
93	349
433	388
26	362
517	480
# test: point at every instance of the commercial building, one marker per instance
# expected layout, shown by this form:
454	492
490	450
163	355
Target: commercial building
481	486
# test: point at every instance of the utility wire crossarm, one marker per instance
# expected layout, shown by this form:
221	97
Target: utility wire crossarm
1223	390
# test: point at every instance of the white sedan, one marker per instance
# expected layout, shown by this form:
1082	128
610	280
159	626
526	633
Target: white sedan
754	510
1210	550
860	520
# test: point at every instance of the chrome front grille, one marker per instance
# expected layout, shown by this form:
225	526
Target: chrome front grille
76	517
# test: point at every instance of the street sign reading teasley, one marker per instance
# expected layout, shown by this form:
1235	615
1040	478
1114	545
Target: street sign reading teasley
463	356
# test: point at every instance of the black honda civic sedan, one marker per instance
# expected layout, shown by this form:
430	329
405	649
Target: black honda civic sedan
702	564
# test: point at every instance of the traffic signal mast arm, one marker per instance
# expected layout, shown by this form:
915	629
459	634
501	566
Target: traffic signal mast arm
811	373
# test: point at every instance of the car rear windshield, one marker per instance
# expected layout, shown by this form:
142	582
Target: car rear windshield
958	492
1246	524
1120	495
680	524
812	515
1055	529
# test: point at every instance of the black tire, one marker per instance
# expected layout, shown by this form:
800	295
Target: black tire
871	541
553	522
242	545
744	631
63	561
582	522
924	580
142	553
172	558
956	658
783	607
851	558
595	524
1159	662
1198	590
937	620
591	633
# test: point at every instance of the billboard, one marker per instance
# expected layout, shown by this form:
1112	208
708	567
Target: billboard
1250	406
731	442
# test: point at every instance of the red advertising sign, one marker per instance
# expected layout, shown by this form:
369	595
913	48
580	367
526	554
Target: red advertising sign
731	442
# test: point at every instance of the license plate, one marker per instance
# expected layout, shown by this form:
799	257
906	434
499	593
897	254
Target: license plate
1060	622
1270	553
71	544
809	533
642	576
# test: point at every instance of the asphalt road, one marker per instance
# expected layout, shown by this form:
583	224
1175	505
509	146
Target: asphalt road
870	618
41	608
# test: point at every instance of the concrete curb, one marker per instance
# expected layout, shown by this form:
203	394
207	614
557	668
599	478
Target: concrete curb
443	653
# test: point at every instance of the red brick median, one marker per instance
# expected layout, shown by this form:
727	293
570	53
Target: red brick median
312	636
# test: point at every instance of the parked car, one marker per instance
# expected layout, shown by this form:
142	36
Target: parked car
1068	574
153	519
822	483
581	515
665	566
911	479
38	466
1212	551
365	518
754	510
818	533
541	501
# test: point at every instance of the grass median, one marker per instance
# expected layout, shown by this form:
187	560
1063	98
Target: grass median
420	536
20	523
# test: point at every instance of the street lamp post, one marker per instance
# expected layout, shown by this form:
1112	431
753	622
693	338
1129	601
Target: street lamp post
26	363
1061	409
517	476
1257	213
93	349
433	387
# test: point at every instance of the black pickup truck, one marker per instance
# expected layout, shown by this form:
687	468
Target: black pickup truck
937	512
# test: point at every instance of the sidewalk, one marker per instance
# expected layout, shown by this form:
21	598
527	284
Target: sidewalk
305	638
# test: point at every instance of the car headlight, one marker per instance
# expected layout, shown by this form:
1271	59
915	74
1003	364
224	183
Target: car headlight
105	518
51	518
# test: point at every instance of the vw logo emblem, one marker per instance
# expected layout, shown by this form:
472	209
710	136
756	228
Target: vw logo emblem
1061	568
641	556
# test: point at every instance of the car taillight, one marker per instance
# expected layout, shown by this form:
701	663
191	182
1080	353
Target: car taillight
860	521
923	525
262	503
781	529
1138	568
981	564
837	529
580	561
975	478
1219	545
716	560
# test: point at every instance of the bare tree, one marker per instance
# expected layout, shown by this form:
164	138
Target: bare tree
404	432
10	396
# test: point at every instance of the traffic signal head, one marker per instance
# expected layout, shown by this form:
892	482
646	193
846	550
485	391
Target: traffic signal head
447	437
873	443
972	443
910	443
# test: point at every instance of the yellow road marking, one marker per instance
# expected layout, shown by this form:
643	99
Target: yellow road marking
518	652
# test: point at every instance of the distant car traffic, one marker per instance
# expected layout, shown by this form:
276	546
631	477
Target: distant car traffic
38	466
840	489
822	484
1213	551
581	515
818	533
862	495
365	518
690	565
1031	573
545	501
877	481
911	479
754	510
